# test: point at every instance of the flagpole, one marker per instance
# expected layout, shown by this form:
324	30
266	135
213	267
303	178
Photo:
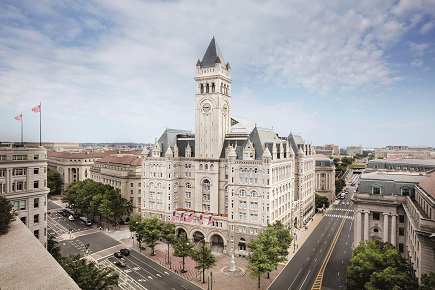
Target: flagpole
40	124
21	128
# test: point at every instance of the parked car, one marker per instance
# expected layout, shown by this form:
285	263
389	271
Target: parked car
125	252
117	254
86	221
60	211
120	264
71	217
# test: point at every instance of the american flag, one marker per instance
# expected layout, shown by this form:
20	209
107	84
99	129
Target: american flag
174	213
182	216
189	218
36	109
201	219
19	117
210	220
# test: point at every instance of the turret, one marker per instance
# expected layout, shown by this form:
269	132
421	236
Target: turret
281	149
300	152
274	150
266	155
289	150
175	150
232	155
188	152
145	152
156	149
169	154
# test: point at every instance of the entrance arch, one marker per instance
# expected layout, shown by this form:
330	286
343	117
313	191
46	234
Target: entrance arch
217	243
197	236
179	231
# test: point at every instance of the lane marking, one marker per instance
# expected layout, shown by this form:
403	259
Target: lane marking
294	279
305	280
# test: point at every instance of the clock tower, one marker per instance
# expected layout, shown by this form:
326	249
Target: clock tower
213	99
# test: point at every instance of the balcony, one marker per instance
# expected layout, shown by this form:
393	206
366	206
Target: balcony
419	216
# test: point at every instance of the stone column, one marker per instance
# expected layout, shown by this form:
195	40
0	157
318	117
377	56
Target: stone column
358	227
385	240
393	229
366	226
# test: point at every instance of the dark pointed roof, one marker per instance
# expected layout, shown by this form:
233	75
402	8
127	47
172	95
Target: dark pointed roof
211	54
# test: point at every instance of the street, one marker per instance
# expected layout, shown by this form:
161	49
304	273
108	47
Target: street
323	258
140	271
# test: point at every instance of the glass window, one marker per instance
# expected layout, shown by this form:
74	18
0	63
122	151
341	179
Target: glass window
376	216
36	219
23	204
35	202
23	219
401	218
401	231
35	170
376	190
36	184
36	233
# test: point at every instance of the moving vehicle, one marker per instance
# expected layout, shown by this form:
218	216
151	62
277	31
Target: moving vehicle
61	211
120	264
67	212
71	217
118	254
86	221
125	252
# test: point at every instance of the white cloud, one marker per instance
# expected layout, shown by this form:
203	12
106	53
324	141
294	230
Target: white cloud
131	63
426	27
417	63
418	48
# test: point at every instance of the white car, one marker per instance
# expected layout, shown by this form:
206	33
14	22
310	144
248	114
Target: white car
71	218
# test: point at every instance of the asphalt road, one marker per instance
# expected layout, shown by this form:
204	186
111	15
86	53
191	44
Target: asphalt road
149	274
141	273
320	258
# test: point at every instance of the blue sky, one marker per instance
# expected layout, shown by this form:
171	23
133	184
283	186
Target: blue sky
343	72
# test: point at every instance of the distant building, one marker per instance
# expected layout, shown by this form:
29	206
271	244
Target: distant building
325	177
26	264
405	152
23	180
399	208
413	165
354	150
57	146
328	150
76	166
122	172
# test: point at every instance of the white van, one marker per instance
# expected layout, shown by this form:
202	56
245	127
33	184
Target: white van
84	220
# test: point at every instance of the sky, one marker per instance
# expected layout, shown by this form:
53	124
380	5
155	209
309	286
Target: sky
342	72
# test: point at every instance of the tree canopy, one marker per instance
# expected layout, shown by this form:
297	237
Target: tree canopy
377	265
152	231
54	182
6	215
88	275
204	259
97	199
322	201
183	248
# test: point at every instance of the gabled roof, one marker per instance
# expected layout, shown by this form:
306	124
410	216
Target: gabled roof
211	54
125	160
295	142
428	185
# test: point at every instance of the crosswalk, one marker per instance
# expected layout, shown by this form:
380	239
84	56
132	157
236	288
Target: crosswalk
125	281
342	209
339	216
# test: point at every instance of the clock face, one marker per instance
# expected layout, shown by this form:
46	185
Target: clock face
206	108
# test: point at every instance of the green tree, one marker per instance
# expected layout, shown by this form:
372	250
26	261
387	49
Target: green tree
7	215
322	201
88	275
183	248
105	210
428	281
152	232
258	258
204	259
133	223
168	234
284	239
272	247
53	248
54	182
376	264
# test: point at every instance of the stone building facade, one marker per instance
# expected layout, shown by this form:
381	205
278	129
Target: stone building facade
398	208
405	152
224	185
325	178
123	173
412	165
354	149
23	180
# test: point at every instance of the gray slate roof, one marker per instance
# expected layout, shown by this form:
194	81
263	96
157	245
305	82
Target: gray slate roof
323	162
404	177
295	142
210	55
169	137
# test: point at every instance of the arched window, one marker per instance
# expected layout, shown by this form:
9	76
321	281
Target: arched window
254	194
211	167
151	185
159	186
188	185
222	88
206	166
212	87
200	166
206	185
175	185
207	88
242	193
202	88
242	244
